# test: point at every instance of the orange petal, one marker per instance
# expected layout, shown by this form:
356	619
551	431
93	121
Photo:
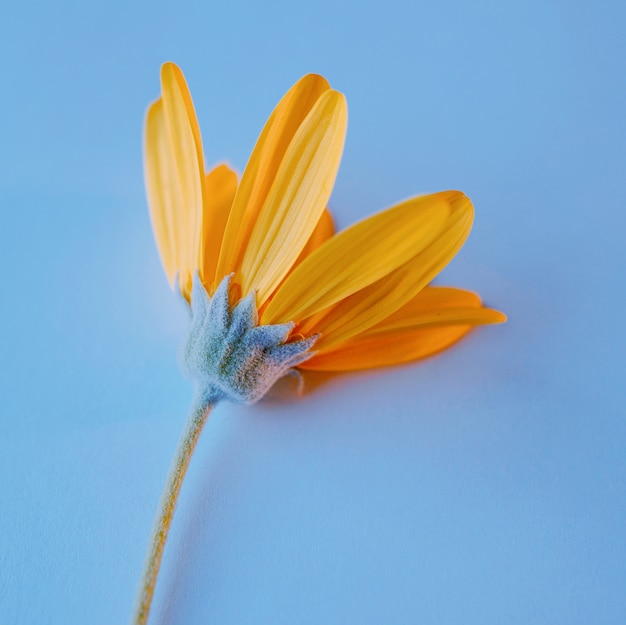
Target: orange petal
379	300
297	198
368	353
367	253
262	167
430	322
220	186
436	306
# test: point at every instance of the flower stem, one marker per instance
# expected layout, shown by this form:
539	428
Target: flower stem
197	418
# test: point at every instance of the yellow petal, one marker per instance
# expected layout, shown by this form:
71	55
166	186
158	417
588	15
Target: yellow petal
297	198
220	186
188	179
379	300
430	322
162	189
261	169
324	230
364	254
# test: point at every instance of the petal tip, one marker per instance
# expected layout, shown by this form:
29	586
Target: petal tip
500	317
169	67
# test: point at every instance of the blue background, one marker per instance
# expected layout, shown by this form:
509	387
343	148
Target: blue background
485	485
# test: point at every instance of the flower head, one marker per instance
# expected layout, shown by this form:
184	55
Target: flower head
276	288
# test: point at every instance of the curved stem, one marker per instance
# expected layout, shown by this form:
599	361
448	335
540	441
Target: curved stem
191	433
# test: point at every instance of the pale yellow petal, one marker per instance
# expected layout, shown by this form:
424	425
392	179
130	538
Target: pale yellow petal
186	147
297	198
162	189
261	169
220	186
176	92
379	300
366	254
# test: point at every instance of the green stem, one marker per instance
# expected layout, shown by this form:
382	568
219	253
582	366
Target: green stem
197	418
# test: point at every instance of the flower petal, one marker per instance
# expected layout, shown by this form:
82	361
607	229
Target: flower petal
262	167
436	306
220	188
379	300
430	322
162	190
324	230
188	175
364	254
297	198
377	351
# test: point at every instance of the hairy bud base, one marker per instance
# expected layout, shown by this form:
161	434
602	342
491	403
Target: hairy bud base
229	356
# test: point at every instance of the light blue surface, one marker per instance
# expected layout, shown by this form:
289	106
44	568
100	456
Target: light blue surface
486	485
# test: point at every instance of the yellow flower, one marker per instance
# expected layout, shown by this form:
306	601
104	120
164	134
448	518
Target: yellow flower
362	292
270	286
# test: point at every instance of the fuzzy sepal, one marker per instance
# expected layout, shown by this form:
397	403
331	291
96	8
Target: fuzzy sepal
229	356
